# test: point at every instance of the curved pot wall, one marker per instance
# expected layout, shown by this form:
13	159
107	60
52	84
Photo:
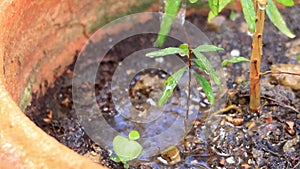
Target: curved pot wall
38	39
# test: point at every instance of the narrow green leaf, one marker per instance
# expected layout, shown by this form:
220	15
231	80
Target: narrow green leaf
234	60
223	4
209	67
193	1
170	84
214	6
249	13
298	57
199	63
171	9
286	2
134	135
277	19
164	52
207	48
211	15
207	88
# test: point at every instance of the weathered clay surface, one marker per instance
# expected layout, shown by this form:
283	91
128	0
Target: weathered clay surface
38	39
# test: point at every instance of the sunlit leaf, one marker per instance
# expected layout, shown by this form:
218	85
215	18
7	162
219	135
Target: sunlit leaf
134	135
235	60
193	1
165	51
221	5
298	57
170	85
171	9
211	16
207	48
126	149
277	19
249	13
207	88
209	67
286	2
214	6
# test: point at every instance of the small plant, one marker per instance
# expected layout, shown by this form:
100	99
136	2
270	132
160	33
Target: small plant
126	149
254	13
200	61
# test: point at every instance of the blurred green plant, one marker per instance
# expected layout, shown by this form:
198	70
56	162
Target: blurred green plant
199	60
254	14
216	6
126	149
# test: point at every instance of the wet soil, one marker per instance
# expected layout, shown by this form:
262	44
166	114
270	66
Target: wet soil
234	138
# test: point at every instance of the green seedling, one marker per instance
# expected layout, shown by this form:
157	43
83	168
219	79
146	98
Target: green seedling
199	60
126	149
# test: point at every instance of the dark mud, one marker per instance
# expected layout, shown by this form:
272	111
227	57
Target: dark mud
229	139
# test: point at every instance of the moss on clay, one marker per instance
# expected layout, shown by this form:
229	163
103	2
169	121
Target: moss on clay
26	97
106	17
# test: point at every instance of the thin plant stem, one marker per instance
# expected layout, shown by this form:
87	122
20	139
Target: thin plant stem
186	118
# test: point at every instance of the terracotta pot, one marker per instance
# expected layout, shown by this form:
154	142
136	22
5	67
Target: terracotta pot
38	39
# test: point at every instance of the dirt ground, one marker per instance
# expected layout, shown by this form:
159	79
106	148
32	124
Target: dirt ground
229	139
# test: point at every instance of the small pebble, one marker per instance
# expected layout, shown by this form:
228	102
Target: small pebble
230	160
235	52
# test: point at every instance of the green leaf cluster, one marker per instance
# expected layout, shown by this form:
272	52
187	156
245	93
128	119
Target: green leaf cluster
217	6
200	61
126	149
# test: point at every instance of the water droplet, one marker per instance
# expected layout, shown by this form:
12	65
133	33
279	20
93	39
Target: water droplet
249	33
159	60
181	54
261	7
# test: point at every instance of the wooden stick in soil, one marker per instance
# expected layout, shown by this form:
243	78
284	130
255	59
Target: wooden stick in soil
260	6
